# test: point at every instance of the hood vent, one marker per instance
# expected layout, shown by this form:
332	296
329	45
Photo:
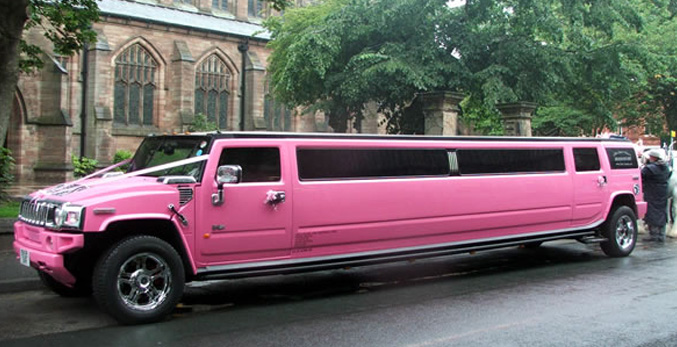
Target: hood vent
185	195
64	189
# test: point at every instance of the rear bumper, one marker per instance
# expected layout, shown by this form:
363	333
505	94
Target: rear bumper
46	249
641	209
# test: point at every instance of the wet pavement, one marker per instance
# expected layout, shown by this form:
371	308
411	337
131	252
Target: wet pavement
14	276
562	294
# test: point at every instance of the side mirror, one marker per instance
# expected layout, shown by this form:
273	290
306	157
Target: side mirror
230	174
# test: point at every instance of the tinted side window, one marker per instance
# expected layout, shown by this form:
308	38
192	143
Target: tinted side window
586	159
503	161
258	164
371	163
622	158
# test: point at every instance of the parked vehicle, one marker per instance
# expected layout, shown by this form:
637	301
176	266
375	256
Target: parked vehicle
229	205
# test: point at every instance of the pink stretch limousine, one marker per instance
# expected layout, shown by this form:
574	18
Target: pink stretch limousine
228	205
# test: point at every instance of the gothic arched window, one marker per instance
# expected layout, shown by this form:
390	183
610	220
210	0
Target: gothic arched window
277	115
255	8
220	5
211	90
135	85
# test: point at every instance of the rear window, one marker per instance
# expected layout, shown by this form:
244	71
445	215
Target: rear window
622	158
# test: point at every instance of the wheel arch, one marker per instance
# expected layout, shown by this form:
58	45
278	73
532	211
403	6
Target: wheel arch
163	229
622	199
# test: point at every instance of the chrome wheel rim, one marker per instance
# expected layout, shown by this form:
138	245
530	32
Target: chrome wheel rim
625	232
144	281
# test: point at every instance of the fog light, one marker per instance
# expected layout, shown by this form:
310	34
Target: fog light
49	242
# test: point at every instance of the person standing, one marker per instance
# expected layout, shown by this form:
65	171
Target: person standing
655	176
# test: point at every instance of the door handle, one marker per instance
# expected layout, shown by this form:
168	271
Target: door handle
274	197
601	181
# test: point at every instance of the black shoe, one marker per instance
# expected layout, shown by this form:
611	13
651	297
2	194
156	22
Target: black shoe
649	239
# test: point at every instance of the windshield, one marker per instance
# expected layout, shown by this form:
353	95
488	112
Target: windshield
160	150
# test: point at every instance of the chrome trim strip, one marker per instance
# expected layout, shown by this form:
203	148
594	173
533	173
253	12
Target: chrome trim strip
104	210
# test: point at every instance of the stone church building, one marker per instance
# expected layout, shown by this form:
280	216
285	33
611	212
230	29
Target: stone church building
154	66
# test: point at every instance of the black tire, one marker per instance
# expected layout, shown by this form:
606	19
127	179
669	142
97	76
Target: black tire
139	280
620	229
80	289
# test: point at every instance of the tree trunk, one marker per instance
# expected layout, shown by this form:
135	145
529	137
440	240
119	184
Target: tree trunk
12	19
338	122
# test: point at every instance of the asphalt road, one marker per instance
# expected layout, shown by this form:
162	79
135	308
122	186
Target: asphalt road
562	294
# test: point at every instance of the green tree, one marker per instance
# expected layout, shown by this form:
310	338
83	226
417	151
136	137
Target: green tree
6	177
565	54
655	102
340	54
66	23
202	123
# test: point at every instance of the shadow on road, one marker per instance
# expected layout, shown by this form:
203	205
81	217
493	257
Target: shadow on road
272	300
209	295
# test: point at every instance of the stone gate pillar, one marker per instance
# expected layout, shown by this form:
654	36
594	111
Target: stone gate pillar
440	112
517	118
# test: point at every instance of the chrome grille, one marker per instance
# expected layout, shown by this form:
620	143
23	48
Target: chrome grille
185	195
38	212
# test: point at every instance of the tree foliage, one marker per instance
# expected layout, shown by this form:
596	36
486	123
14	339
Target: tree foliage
582	58
654	102
6	177
340	54
66	23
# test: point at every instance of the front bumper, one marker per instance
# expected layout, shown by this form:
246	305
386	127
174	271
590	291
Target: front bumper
47	249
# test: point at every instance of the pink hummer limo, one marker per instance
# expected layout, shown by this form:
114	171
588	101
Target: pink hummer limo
227	205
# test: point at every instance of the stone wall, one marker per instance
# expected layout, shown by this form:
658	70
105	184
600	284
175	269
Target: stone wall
45	129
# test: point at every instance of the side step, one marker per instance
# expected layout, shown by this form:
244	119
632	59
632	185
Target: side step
592	239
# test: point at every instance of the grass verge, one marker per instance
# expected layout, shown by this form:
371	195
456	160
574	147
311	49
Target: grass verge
9	209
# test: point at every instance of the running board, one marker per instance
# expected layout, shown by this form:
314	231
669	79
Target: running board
288	266
592	239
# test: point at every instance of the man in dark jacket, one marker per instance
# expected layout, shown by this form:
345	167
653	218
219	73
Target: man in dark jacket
655	176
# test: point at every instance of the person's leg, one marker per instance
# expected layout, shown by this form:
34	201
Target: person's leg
652	233
660	233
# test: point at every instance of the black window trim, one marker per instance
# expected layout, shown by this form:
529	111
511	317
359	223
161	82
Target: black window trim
514	173
370	178
280	165
599	162
613	164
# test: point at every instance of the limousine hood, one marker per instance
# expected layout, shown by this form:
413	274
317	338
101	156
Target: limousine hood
107	185
91	204
99	190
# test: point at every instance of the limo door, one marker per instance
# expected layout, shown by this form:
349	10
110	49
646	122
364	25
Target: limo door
244	227
590	186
